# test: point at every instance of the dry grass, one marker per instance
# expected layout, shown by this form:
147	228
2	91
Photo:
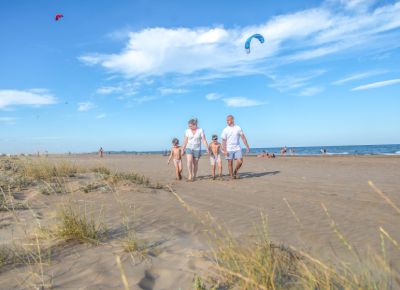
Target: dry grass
101	170
198	284
23	173
43	169
135	178
75	223
261	264
93	186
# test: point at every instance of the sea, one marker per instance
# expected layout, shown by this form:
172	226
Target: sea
391	149
386	149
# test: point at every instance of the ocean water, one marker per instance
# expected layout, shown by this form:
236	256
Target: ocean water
392	149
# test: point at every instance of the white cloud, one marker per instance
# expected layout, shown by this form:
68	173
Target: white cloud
144	99
358	5
291	82
171	91
358	76
241	102
310	91
34	97
124	89
108	90
101	116
377	85
8	120
299	36
213	96
85	106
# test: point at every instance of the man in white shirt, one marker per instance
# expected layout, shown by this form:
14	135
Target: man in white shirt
231	145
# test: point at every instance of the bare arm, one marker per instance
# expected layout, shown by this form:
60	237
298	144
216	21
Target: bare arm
245	142
205	143
224	146
185	144
170	156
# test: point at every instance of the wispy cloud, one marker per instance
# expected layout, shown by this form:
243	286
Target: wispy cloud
34	97
108	90
287	83
124	89
354	5
304	35
310	91
359	76
144	99
377	85
171	91
213	96
241	102
8	120
101	116
85	106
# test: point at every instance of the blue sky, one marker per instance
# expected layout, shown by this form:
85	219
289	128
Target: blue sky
127	75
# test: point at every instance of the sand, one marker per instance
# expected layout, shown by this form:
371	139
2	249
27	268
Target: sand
176	239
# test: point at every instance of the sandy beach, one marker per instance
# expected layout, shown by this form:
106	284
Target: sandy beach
290	191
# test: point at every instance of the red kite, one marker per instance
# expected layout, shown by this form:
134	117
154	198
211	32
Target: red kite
58	17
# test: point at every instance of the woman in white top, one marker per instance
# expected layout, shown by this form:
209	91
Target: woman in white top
192	147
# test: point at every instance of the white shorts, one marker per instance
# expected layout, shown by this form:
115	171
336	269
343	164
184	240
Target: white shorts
215	159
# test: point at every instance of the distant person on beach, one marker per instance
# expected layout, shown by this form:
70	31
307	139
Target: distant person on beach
101	152
231	145
263	154
215	156
176	156
192	147
283	151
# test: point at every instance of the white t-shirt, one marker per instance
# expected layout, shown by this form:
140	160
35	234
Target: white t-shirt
194	140
232	136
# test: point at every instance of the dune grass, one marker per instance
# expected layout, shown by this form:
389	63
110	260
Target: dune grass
44	169
198	284
101	170
264	265
261	264
75	223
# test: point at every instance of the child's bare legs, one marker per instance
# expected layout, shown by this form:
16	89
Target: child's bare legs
177	170
213	170
180	170
219	162
189	159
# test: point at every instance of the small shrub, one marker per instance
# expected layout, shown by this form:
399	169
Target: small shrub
75	224
52	188
92	187
130	177
198	284
102	170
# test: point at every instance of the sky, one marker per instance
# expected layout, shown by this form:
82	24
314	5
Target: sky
128	75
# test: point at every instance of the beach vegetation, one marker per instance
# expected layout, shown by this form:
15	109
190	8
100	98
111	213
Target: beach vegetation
75	223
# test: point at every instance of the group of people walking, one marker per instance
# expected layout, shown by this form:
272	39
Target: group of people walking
194	136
